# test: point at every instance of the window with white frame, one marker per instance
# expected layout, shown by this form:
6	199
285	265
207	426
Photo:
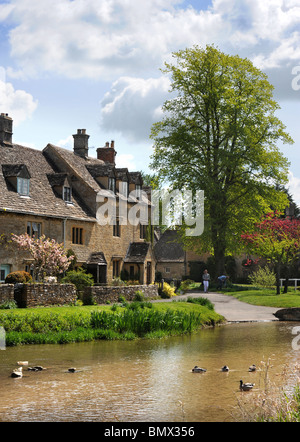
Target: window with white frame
23	186
67	194
124	188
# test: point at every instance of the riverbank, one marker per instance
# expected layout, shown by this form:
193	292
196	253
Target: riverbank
52	325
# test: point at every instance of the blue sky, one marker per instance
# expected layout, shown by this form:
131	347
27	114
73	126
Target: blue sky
94	64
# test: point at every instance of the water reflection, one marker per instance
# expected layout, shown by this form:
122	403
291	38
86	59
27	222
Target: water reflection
142	380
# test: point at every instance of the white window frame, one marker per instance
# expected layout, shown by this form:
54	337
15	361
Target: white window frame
23	185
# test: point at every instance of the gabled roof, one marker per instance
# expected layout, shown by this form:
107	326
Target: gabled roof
15	170
168	248
137	252
42	200
97	258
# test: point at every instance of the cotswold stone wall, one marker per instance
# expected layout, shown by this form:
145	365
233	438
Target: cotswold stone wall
6	293
101	295
33	295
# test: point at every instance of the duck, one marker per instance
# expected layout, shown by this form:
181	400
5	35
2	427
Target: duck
197	369
17	372
246	387
252	367
22	362
72	370
225	368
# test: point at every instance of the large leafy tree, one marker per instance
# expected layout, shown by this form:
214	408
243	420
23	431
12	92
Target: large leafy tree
219	134
277	239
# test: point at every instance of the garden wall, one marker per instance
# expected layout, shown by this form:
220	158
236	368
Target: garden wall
6	293
101	295
33	295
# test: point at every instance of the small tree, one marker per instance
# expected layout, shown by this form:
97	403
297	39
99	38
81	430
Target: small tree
277	239
49	257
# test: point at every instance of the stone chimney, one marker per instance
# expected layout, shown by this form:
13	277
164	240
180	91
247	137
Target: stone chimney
81	143
107	153
6	125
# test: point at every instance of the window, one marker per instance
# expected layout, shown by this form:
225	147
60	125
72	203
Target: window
112	184
138	189
23	186
4	271
124	188
34	229
116	269
143	231
167	270
77	235
67	194
116	228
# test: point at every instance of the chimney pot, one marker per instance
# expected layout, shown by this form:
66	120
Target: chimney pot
6	126
107	153
81	143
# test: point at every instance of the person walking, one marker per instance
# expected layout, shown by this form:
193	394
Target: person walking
205	279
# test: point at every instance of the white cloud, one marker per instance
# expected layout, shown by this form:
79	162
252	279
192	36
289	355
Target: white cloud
133	105
66	143
126	160
17	103
111	38
92	38
294	187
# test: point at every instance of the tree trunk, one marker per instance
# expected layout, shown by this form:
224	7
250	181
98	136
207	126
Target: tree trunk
277	271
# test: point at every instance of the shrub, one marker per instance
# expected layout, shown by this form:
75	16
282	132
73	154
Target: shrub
139	296
20	277
79	278
8	304
185	285
167	291
201	301
117	282
263	277
133	282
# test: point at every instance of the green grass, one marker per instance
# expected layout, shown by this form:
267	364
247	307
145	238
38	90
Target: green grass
268	298
47	325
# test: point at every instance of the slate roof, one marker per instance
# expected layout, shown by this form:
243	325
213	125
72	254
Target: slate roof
137	252
97	258
168	248
42	199
47	169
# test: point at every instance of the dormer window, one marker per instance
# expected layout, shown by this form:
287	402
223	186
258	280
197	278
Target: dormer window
124	188
112	184
23	186
67	194
138	189
61	185
17	176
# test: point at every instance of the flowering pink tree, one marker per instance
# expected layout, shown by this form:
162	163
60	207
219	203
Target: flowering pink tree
49	257
277	239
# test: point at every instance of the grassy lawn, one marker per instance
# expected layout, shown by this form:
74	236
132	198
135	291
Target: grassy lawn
85	323
268	298
255	296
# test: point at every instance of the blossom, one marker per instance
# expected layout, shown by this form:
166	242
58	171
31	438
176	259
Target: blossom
49	257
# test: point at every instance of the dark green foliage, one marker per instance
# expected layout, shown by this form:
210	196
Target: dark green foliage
79	278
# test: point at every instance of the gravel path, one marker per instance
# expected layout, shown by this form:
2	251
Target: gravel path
234	310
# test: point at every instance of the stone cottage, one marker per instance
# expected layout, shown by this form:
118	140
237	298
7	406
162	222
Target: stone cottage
56	191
